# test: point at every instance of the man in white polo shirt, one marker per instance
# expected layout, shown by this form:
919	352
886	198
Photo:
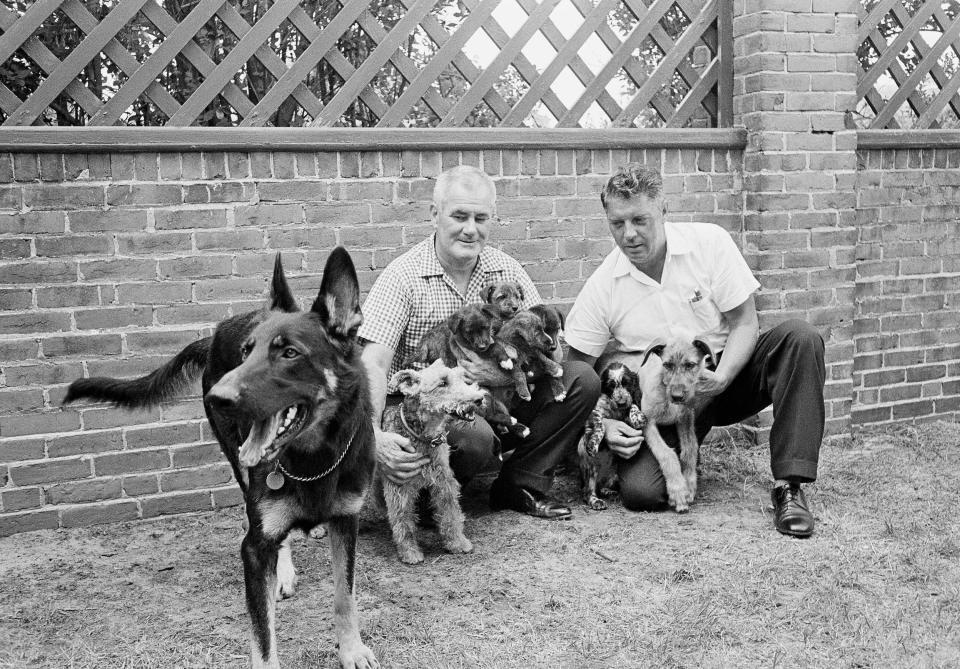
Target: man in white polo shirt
667	278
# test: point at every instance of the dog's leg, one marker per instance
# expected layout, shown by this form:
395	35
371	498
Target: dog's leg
343	550
520	383
689	452
677	492
260	576
555	372
286	573
589	468
445	497
401	510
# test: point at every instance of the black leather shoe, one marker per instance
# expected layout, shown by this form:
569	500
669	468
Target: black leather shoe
791	515
527	501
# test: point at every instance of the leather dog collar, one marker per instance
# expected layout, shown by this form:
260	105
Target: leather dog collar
434	442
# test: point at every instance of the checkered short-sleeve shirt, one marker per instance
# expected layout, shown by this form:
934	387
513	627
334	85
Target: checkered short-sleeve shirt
414	293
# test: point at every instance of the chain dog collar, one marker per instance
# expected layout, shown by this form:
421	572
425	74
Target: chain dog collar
275	479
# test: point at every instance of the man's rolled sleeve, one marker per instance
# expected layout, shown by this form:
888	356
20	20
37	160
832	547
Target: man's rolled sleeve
587	330
733	281
386	311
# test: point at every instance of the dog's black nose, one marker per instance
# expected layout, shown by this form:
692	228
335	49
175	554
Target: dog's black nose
223	397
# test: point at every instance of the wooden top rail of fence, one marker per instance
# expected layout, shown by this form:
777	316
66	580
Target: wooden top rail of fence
412	63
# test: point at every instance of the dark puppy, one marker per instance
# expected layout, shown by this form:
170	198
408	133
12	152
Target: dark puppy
553	321
526	333
506	296
471	328
286	395
619	395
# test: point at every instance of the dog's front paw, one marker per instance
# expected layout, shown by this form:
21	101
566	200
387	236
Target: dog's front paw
319	532
678	495
522	431
559	397
595	503
410	555
458	545
507	364
356	656
557	373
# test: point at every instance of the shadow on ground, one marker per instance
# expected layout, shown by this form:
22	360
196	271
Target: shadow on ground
878	585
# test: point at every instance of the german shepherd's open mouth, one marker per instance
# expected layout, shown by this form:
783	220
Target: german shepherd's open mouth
267	437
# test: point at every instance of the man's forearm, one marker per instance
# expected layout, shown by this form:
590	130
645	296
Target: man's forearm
741	343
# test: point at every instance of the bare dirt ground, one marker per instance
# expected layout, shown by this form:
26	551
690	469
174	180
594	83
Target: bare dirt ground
878	585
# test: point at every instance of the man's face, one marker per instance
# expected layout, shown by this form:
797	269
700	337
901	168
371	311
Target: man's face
463	222
636	224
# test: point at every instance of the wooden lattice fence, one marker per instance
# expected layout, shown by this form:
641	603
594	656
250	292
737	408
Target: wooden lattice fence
909	55
419	63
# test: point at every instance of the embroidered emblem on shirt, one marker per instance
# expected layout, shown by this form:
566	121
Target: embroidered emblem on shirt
696	296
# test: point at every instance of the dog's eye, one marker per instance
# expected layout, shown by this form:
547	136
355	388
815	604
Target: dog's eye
689	365
245	350
669	366
290	352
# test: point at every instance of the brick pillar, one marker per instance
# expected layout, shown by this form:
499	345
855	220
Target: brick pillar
795	77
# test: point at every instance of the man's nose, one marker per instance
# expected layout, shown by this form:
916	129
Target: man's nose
629	231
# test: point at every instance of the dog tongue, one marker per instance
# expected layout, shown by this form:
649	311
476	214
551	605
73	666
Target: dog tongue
262	434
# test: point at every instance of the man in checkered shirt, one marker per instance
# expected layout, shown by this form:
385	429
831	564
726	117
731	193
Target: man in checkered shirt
425	286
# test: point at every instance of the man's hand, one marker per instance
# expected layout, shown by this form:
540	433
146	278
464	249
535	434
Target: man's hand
398	459
622	439
711	384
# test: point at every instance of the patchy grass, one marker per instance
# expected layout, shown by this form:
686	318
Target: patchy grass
878	585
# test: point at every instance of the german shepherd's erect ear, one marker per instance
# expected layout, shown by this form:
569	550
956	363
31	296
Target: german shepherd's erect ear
281	299
338	302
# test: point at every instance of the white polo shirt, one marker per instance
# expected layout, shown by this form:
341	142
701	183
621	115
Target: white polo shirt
704	274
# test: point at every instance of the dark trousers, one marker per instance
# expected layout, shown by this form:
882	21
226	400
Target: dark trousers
785	370
555	428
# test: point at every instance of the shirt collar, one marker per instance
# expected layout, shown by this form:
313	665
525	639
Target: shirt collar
489	261
676	245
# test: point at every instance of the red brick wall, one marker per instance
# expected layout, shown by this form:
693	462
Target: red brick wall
112	263
906	365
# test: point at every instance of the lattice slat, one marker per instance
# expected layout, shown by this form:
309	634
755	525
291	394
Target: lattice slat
896	63
68	69
645	23
564	57
508	52
48	62
302	74
658	78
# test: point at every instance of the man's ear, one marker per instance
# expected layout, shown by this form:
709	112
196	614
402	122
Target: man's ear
406	382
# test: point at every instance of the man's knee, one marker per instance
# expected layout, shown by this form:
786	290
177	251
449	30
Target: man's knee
584	383
472	448
801	336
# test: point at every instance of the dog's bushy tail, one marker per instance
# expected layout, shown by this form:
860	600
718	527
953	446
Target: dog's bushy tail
147	391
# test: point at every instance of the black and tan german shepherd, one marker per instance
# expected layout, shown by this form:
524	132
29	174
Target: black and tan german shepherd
286	395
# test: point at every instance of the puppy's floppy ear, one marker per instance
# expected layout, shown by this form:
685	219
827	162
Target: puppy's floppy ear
563	319
406	382
338	301
656	348
487	293
708	358
520	293
455	322
281	299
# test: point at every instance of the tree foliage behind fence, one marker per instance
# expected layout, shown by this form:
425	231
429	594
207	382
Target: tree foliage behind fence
909	54
417	63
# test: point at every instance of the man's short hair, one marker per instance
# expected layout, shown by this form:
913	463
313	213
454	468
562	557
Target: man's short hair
466	174
633	179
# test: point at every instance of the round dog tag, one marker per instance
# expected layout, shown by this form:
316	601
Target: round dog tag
274	480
